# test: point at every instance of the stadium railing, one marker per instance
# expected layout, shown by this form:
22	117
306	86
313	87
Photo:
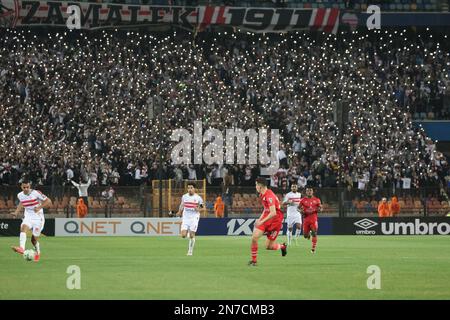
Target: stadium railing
139	201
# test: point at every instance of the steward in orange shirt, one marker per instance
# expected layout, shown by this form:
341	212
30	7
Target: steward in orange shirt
219	207
383	208
81	209
394	207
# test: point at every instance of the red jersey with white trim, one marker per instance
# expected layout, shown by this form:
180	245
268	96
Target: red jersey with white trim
191	204
269	199
30	201
310	206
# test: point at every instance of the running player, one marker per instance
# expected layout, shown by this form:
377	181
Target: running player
191	202
269	223
292	200
33	202
310	206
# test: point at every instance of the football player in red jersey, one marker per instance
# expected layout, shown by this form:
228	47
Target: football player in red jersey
269	223
309	207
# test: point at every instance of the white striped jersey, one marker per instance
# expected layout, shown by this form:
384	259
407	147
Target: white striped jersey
294	197
30	201
191	204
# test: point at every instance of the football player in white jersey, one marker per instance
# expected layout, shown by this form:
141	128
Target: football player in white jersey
32	202
191	202
292	200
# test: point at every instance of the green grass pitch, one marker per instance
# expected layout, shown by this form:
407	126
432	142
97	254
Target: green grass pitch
412	267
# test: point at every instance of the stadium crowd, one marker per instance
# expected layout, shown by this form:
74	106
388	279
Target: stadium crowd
78	106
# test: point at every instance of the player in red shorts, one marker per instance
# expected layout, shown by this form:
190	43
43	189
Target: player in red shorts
269	223
309	207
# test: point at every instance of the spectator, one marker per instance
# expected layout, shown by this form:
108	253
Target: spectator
83	190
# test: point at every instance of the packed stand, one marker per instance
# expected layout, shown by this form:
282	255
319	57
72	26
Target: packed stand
88	106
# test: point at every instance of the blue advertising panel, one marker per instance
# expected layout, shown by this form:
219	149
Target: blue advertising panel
436	130
244	226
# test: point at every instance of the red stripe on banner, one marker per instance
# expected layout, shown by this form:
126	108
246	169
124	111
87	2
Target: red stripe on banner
332	19
17	13
43	8
319	17
209	11
143	13
220	18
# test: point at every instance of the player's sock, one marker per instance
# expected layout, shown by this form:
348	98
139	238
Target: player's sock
314	242
254	251
37	247
23	240
297	233
191	244
289	236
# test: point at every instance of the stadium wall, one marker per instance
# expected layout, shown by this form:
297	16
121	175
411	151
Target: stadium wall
228	226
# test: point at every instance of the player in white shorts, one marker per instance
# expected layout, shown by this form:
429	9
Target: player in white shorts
32	202
189	208
292	200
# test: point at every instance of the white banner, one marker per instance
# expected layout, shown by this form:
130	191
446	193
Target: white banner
104	227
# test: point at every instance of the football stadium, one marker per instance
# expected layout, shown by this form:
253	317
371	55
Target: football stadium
225	150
